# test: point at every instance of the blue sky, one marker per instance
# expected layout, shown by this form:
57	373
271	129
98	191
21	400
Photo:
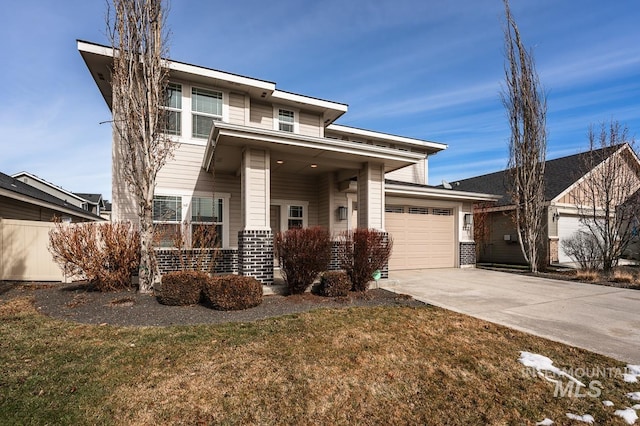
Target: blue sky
426	69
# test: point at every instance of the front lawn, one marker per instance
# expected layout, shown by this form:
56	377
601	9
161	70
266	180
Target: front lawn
388	365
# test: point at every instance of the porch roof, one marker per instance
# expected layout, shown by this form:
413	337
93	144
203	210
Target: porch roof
297	153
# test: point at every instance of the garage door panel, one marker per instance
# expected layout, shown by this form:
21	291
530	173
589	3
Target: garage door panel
421	240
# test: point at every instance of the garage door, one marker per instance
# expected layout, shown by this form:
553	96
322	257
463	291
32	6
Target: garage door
567	226
422	237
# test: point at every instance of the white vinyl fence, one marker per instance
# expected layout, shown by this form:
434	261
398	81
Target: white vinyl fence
23	252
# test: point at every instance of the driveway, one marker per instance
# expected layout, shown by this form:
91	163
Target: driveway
601	319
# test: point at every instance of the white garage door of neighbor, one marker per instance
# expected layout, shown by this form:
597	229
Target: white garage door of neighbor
567	226
422	238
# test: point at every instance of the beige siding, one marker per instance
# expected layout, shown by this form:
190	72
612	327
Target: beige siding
231	185
49	190
371	197
415	173
261	115
236	108
184	172
23	251
14	209
324	201
310	124
297	188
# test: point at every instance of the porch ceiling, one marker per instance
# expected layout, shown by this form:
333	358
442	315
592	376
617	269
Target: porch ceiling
296	154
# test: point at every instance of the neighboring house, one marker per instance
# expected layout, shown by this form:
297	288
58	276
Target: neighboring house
560	220
26	215
21	201
253	160
92	203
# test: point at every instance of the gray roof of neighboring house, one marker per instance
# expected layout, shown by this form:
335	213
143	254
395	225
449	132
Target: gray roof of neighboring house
14	185
559	175
93	198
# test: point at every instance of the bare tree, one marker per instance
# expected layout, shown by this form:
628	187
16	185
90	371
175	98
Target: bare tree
139	84
607	197
526	108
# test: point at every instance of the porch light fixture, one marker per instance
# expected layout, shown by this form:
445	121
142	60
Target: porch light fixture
280	162
342	213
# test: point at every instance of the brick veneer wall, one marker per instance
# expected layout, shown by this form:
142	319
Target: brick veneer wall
226	260
467	253
334	264
255	255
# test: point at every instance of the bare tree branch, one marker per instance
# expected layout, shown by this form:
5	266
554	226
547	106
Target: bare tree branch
139	85
526	108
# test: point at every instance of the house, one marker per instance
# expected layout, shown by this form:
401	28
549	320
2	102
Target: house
92	203
252	160
561	219
22	201
26	217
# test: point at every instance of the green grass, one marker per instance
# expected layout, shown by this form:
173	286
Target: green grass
348	366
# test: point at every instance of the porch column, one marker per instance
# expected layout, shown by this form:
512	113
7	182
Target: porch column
371	201
255	240
371	196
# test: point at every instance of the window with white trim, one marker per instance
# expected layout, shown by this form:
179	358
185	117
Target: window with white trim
173	108
206	107
295	217
206	222
286	120
167	218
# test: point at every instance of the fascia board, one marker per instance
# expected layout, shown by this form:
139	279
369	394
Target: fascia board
385	136
439	193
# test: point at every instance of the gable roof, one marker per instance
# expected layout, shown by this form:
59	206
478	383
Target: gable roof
17	189
92	198
559	175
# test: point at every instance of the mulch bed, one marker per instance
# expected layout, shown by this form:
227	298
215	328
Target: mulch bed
76	302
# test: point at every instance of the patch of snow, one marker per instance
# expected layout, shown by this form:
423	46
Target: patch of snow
607	403
628	414
635	396
541	363
586	418
636	407
545	422
633	372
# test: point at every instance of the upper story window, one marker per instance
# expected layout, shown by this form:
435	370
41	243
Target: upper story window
286	120
173	106
206	107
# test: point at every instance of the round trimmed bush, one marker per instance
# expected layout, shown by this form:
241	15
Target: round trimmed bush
182	288
334	284
232	292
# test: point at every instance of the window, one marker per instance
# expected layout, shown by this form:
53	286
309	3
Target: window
443	212
206	106
418	210
295	217
206	222
393	209
167	215
173	107
286	120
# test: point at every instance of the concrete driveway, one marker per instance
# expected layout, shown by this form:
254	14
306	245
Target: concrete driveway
601	319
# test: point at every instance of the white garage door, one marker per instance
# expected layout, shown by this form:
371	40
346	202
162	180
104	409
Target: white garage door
567	226
422	237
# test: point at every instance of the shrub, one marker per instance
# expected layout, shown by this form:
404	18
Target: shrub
584	249
587	275
334	284
362	252
303	253
232	292
181	288
622	277
106	254
197	254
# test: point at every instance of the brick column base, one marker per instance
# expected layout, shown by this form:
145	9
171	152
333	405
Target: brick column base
467	253
255	255
334	264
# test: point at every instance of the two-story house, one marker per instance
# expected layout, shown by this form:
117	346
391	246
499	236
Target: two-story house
253	160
